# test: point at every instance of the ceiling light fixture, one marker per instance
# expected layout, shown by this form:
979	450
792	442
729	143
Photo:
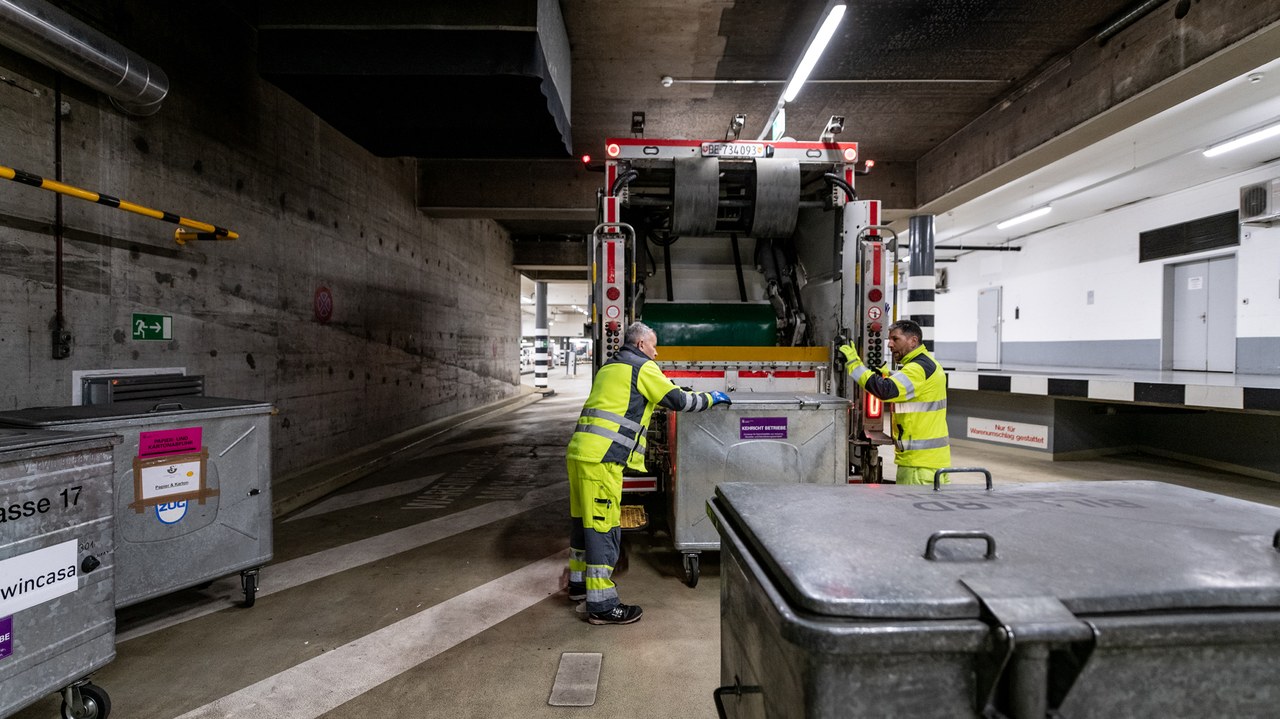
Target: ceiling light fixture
831	17
1256	136
817	44
1039	212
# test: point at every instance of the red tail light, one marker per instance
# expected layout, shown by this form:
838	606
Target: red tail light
874	407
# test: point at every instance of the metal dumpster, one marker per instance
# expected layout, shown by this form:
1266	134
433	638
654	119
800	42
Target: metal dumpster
1076	599
192	488
57	617
777	437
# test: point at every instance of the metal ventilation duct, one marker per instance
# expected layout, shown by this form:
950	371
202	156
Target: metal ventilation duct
45	33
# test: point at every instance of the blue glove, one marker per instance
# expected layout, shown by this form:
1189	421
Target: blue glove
718	397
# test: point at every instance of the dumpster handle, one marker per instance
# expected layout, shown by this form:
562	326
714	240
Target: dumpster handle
930	549
161	406
937	476
1275	541
737	690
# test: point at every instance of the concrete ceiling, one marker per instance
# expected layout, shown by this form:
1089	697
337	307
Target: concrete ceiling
973	109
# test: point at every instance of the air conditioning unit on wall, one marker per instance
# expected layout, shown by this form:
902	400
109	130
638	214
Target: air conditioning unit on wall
1260	203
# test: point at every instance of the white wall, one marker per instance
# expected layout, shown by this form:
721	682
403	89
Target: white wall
1050	278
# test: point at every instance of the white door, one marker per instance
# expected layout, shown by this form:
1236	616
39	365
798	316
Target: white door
1204	315
989	326
1221	322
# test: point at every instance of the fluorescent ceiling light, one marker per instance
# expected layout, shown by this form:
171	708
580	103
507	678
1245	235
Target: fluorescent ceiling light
1041	212
811	54
1239	142
832	15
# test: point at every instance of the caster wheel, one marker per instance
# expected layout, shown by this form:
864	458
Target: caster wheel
94	700
249	582
691	567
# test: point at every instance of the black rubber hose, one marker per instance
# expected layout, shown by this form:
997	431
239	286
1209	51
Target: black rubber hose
623	180
839	182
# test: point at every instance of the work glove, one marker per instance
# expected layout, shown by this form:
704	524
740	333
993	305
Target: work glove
719	397
851	358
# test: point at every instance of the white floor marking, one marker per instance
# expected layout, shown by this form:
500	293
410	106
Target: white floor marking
286	575
577	679
367	496
322	683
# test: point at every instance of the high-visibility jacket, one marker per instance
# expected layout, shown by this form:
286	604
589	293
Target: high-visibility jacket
616	415
918	393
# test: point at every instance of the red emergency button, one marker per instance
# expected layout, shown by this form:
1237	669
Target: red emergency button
874	294
612	293
875	326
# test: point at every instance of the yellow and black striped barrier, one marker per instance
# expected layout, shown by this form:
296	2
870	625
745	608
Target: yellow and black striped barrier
205	231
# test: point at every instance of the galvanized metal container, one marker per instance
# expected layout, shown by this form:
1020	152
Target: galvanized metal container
192	488
780	438
57	616
1088	599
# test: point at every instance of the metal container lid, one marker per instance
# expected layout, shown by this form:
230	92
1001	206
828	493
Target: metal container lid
859	551
785	400
130	409
25	440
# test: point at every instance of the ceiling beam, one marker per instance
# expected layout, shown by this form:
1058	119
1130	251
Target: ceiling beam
1097	91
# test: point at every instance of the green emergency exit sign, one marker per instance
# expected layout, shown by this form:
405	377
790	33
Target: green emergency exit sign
152	327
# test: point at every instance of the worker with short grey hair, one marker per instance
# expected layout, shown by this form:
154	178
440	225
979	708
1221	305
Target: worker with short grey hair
610	435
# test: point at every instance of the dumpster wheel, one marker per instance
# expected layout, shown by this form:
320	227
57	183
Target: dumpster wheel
85	701
249	582
691	562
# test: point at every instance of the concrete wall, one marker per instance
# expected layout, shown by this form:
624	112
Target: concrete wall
1084	300
425	318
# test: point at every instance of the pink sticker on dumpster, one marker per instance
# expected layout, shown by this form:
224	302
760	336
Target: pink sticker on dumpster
169	441
762	428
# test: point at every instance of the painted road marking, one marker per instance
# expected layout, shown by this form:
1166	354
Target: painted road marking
367	496
322	683
295	572
577	679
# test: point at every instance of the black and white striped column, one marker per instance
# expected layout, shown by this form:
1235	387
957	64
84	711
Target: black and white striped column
540	335
920	282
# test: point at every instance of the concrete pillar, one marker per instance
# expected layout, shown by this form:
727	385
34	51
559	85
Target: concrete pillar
920	282
540	335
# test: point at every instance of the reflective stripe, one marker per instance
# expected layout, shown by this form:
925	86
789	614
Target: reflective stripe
908	387
607	433
600	587
857	371
919	406
911	444
611	417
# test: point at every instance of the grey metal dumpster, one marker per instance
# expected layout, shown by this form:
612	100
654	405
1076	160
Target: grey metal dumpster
193	488
777	437
1079	599
57	617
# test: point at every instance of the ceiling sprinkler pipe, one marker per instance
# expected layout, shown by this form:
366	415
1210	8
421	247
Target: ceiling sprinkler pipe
1126	20
55	38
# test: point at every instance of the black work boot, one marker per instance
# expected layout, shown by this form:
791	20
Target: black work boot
621	614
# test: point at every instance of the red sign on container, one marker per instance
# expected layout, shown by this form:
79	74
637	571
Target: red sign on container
165	442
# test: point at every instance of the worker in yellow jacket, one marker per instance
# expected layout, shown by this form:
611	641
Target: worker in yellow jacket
918	394
610	435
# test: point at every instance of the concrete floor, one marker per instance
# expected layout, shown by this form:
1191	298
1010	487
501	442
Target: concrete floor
433	588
